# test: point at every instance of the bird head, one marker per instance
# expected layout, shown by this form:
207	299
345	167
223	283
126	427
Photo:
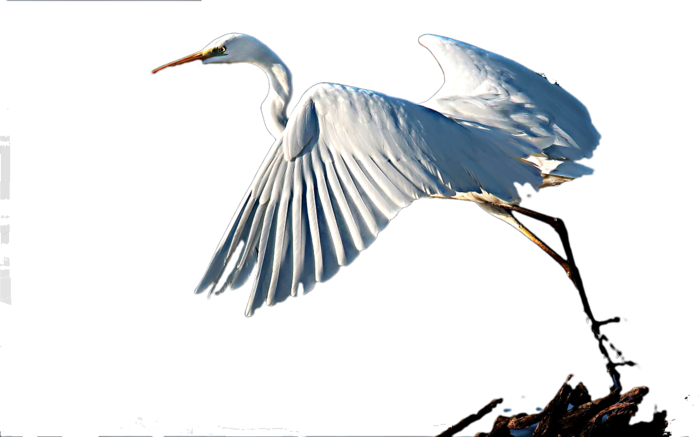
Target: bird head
230	48
236	47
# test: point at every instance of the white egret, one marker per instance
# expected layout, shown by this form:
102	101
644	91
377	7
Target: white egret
346	160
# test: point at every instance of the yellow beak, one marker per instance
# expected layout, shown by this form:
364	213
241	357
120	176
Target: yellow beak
187	60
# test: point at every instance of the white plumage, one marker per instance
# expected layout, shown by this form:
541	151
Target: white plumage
347	160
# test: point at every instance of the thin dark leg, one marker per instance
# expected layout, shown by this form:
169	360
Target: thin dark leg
574	274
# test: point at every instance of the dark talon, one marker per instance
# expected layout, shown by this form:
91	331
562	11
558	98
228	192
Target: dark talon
616	320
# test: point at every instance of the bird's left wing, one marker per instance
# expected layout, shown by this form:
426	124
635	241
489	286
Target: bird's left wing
490	91
347	162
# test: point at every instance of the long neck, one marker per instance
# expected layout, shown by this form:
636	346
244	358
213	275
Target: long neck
275	105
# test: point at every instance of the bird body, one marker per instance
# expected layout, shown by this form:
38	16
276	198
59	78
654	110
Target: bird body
346	160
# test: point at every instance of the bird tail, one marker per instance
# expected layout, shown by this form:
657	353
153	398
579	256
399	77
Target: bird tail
556	171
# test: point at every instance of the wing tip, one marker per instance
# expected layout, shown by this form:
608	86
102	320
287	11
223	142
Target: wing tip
425	40
201	288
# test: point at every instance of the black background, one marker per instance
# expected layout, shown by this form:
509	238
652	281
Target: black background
121	186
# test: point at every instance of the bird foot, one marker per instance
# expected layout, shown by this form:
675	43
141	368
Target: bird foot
620	368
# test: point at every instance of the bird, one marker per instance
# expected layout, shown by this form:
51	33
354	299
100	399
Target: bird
346	160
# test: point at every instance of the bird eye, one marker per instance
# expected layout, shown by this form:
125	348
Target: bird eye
220	49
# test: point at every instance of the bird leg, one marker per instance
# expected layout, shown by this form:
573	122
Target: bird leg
616	362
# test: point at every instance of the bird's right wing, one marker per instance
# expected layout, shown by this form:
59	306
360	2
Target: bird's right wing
299	222
347	162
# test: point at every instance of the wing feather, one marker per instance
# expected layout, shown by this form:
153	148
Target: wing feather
328	244
326	204
351	189
313	218
281	237
298	228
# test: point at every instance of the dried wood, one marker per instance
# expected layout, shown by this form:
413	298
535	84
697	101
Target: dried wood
573	413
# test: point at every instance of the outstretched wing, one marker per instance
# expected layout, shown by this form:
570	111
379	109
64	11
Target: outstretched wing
346	163
490	91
